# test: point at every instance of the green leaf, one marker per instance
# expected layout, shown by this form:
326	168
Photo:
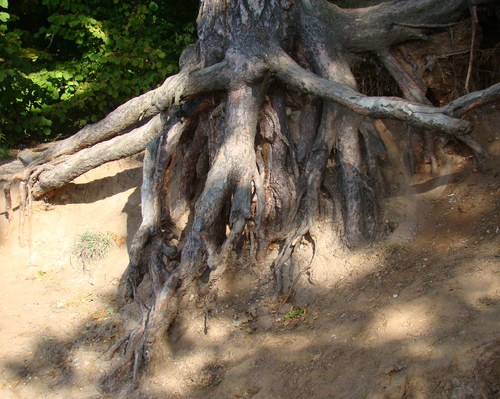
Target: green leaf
45	122
294	314
4	17
159	54
67	75
4	3
153	6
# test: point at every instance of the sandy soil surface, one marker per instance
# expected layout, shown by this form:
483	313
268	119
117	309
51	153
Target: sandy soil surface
415	315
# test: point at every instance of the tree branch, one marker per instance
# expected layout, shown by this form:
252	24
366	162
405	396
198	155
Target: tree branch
384	25
288	71
176	89
90	158
459	107
183	86
426	26
130	113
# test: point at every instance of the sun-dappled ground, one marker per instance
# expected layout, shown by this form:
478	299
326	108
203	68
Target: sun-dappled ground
414	315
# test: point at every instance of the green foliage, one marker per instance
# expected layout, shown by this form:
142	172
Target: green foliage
65	63
4	152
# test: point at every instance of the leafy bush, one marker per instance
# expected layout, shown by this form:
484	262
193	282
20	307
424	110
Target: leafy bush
65	63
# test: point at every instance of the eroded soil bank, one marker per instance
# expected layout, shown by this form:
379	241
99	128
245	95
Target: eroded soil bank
415	315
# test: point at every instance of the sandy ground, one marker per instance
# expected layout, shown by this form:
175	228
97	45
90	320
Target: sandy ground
414	315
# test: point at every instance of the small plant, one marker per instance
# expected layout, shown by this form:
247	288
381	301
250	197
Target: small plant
295	313
92	246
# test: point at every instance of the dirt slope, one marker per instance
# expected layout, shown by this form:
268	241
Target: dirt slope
415	315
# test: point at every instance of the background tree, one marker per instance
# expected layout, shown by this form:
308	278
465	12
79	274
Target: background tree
263	126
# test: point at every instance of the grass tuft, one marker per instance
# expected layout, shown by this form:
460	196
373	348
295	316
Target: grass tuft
92	246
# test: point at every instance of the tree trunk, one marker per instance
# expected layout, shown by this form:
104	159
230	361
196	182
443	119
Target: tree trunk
267	113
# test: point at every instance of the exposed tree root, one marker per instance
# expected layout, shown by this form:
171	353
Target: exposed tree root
58	174
231	175
243	142
162	148
461	106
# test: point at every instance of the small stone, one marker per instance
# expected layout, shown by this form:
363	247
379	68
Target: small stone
241	320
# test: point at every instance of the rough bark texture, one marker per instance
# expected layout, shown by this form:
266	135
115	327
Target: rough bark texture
264	116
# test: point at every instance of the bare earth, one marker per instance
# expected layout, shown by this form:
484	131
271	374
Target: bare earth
415	315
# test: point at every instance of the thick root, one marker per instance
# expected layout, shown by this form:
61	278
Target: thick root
227	177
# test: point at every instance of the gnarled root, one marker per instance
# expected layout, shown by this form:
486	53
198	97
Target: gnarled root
231	176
